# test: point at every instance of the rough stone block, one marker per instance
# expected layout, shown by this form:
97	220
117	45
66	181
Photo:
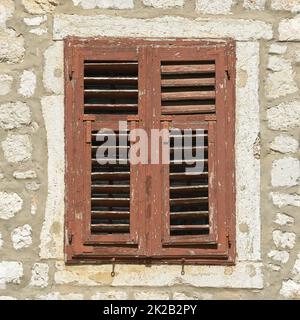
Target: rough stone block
214	6
17	148
284	239
164	4
11	46
105	4
39	275
5	84
10	204
289	29
27	83
286	5
254	4
284	116
10	272
280	81
279	256
285	144
284	199
283	219
285	172
14	115
40	6
21	237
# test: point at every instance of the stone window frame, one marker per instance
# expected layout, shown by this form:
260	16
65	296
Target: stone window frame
247	273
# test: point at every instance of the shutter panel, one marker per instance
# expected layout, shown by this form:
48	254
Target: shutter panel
193	88
189	213
110	188
110	89
190	207
104	222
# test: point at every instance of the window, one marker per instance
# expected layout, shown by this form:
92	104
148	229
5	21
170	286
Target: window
138	115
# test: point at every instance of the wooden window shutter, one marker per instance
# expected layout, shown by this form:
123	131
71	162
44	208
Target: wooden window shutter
154	212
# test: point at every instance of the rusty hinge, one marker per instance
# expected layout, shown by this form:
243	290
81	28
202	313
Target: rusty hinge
113	267
228	240
70	237
71	72
227	74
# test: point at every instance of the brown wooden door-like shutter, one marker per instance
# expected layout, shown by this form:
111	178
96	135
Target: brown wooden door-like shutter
193	98
121	212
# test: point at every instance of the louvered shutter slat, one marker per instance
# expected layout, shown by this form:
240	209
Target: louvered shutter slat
182	68
193	82
188	95
110	214
188	109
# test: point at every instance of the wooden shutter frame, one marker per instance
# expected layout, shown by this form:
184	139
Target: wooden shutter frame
76	50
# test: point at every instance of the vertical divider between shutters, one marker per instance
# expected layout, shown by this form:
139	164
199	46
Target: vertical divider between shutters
140	218
155	170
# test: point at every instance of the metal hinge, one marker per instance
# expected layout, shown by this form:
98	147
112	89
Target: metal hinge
227	74
71	72
70	237
228	240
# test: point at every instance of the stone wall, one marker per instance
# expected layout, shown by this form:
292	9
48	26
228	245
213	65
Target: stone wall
32	153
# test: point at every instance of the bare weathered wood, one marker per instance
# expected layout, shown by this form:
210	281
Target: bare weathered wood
188	201
187	95
186	109
110	188
110	202
185	82
110	228
189	214
110	80
106	67
110	93
110	175
182	69
110	214
191	227
110	107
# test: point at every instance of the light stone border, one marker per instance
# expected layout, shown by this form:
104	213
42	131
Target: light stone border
247	273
